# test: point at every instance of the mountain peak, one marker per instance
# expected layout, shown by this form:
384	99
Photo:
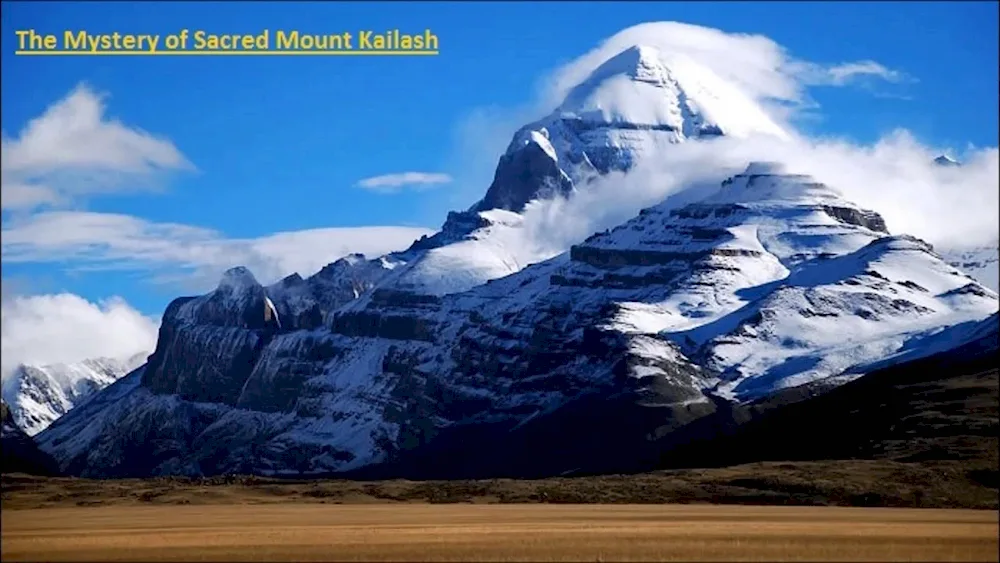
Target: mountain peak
238	277
646	88
638	61
631	107
945	160
763	182
765	169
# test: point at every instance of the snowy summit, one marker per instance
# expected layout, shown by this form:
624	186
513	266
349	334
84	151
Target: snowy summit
647	88
945	160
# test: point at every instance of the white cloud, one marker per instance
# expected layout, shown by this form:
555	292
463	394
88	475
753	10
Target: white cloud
63	328
754	62
391	183
842	73
74	149
106	241
947	206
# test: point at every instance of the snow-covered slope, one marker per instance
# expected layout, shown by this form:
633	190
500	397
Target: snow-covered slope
774	281
39	394
980	262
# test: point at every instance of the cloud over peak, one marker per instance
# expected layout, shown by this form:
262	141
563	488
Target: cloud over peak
66	328
759	66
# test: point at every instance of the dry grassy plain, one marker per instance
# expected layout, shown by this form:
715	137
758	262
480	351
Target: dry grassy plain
476	532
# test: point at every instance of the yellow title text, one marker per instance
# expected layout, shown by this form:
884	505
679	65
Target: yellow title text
198	41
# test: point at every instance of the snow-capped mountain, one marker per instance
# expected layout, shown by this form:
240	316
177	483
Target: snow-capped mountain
39	394
981	261
945	160
774	281
631	108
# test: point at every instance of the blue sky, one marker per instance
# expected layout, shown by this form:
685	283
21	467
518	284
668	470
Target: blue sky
279	144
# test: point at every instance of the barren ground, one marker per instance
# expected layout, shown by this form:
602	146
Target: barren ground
471	532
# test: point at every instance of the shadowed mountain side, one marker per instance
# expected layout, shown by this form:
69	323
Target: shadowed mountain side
20	453
939	408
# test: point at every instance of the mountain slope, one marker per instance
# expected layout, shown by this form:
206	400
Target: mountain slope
674	316
939	408
595	131
20	453
39	394
980	262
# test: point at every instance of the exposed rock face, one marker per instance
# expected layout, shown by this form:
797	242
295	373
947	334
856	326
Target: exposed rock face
634	333
869	220
530	172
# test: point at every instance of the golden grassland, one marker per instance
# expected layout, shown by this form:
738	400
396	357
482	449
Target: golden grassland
481	532
869	483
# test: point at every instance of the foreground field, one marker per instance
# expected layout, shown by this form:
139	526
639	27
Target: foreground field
379	532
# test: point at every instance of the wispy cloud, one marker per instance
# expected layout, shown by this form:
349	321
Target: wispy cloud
392	183
842	73
177	252
74	150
